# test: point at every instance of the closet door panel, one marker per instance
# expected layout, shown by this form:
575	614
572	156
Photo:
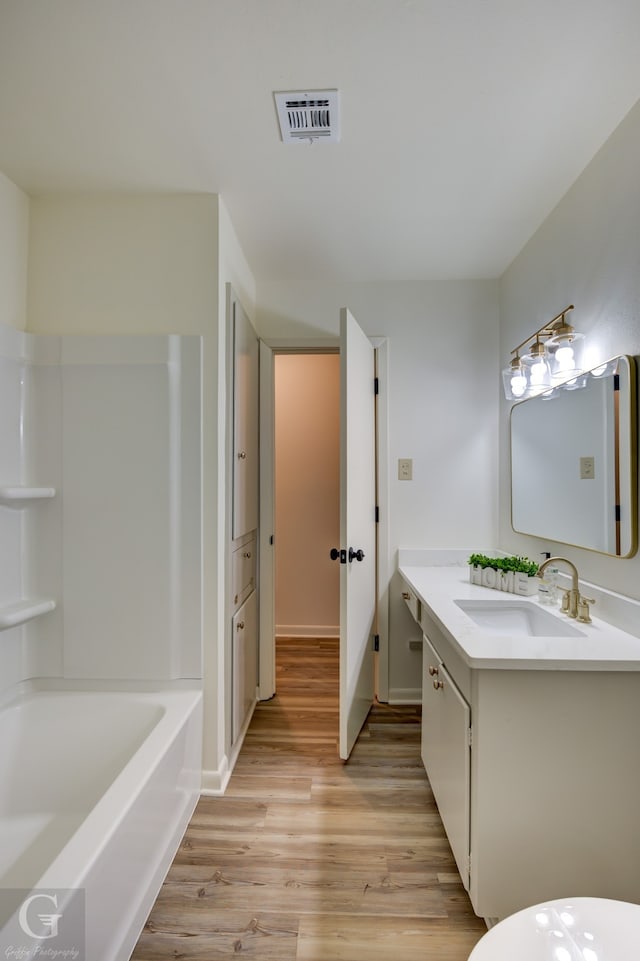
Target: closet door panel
245	425
245	662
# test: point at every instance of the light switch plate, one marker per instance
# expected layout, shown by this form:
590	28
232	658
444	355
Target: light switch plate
405	468
587	468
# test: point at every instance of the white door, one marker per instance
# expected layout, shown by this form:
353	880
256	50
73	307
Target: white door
357	529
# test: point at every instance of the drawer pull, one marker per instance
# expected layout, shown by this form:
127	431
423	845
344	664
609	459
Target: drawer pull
247	554
240	626
433	670
406	595
438	685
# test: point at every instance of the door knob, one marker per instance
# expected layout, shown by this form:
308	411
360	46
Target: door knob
356	555
336	554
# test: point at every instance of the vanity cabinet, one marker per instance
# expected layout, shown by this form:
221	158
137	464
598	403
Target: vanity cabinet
535	770
445	748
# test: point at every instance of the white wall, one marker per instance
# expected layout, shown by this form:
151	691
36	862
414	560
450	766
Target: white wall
123	264
14	238
307	501
443	359
585	253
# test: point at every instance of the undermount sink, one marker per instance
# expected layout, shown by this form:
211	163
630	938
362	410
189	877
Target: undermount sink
515	618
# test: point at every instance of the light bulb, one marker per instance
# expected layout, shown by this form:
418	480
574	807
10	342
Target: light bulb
518	384
538	373
564	358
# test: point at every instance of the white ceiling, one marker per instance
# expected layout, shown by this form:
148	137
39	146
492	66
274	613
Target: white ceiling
463	121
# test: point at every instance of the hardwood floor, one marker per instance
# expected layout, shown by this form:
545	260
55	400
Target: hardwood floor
307	858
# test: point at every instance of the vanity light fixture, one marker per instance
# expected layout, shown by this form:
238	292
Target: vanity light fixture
537	364
515	379
553	358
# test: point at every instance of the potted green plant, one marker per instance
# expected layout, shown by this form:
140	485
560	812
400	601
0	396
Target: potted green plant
514	574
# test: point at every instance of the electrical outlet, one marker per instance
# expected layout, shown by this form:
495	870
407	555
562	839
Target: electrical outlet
405	468
587	468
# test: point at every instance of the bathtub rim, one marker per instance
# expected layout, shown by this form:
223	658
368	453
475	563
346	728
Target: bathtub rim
71	865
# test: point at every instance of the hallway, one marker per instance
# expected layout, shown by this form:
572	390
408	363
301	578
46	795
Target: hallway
306	858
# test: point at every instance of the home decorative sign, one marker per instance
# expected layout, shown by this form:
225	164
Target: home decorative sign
515	575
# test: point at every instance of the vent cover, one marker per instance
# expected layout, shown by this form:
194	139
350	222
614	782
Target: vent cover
308	116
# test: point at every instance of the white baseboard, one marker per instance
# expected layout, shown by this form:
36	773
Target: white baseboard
405	695
307	630
214	783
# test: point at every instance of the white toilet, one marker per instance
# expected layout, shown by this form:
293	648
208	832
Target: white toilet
571	929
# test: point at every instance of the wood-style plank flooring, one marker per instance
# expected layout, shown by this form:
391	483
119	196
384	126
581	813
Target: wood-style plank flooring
306	858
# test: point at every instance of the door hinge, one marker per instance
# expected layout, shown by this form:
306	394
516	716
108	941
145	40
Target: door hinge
470	737
271	538
617	511
377	514
616	381
376	642
376	385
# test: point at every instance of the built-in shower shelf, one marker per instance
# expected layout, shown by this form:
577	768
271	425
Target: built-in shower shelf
20	495
12	615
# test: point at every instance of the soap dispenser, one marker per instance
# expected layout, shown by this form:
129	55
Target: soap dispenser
547	592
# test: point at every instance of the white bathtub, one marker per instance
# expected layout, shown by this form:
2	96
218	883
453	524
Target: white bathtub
96	789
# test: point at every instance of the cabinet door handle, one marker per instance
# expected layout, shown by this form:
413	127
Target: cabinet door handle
240	626
438	685
242	455
433	670
247	554
406	595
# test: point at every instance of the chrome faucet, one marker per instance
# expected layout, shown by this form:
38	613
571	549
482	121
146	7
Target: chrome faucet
573	603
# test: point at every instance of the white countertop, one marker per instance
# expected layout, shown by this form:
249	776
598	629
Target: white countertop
603	647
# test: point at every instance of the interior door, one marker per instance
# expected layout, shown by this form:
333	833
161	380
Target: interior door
357	529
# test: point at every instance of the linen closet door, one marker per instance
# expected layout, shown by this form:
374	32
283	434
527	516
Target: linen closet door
245	424
244	519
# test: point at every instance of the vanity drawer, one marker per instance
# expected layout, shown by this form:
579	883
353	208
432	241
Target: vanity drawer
455	665
411	600
243	572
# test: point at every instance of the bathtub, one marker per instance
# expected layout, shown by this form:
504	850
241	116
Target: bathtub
96	790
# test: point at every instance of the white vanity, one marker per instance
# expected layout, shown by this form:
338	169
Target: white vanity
531	731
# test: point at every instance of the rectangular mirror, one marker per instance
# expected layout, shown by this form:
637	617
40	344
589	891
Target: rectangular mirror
574	462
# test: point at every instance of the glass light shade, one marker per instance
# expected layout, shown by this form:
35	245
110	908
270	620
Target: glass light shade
575	383
514	380
539	376
538	369
566	352
604	369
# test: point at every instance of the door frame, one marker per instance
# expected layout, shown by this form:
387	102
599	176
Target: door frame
268	349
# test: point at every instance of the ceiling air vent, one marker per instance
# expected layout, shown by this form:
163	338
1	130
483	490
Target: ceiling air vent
308	116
